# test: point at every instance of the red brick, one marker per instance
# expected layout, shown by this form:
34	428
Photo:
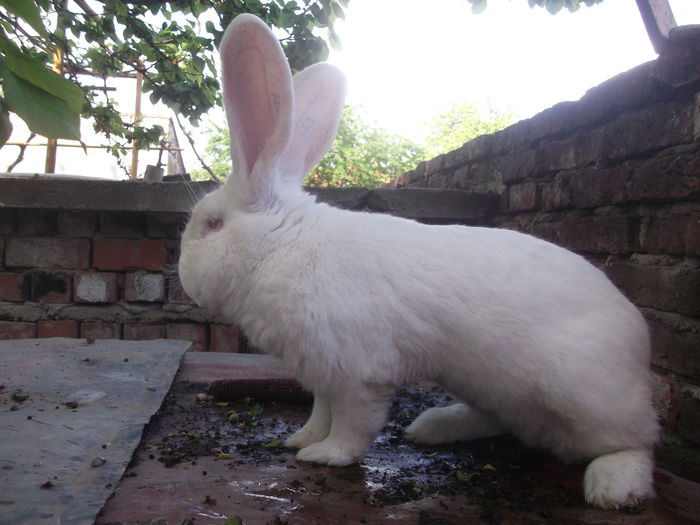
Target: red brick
677	234
224	338
51	287
122	254
122	224
525	196
77	223
142	332
46	252
12	287
100	331
614	234
36	222
197	333
146	287
16	330
665	288
7	221
57	329
95	287
176	293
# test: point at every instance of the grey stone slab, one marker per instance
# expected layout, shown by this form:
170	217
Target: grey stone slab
71	413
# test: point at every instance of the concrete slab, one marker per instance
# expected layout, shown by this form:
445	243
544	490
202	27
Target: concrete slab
72	412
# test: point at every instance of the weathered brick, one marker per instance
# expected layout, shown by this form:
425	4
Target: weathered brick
224	338
197	333
665	398
593	234
142	286
95	287
142	332
124	225
675	344
675	234
672	174
98	330
666	288
12	287
36	222
647	129
124	254
17	330
57	329
689	414
8	221
41	252
524	196
51	286
77	223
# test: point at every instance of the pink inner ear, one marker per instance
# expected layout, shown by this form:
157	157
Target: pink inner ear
254	112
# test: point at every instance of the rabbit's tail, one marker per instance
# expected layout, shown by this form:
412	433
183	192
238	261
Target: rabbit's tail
620	479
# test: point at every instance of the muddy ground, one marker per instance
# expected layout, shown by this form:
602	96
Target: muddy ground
497	476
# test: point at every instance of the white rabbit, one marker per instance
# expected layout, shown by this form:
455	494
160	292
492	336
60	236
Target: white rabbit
531	338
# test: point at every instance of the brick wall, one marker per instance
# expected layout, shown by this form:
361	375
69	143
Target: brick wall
615	177
104	266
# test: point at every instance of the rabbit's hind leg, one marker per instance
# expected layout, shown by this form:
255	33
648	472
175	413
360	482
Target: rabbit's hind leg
620	479
457	422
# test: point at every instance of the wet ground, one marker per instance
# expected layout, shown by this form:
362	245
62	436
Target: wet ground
203	460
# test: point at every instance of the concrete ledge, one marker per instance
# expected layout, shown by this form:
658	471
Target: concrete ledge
84	194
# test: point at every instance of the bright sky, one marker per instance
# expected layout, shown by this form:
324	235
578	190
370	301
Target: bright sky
405	63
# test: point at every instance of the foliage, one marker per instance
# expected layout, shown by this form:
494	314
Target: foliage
553	6
462	122
171	42
362	154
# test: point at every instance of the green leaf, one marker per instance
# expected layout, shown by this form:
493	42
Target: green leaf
23	66
5	124
43	113
462	476
27	11
273	443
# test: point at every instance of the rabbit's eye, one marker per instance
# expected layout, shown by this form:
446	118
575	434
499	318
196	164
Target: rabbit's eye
213	224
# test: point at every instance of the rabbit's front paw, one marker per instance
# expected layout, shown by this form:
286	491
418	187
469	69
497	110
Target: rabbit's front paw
306	436
328	452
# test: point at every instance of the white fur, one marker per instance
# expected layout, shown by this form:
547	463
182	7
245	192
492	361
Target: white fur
530	336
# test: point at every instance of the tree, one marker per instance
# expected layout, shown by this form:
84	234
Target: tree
170	42
362	155
553	6
462	122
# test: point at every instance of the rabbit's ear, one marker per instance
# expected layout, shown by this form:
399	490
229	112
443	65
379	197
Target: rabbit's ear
319	95
258	96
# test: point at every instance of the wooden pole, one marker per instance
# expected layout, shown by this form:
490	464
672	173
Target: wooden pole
137	121
52	146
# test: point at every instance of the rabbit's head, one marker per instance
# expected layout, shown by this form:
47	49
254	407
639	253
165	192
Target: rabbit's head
280	127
